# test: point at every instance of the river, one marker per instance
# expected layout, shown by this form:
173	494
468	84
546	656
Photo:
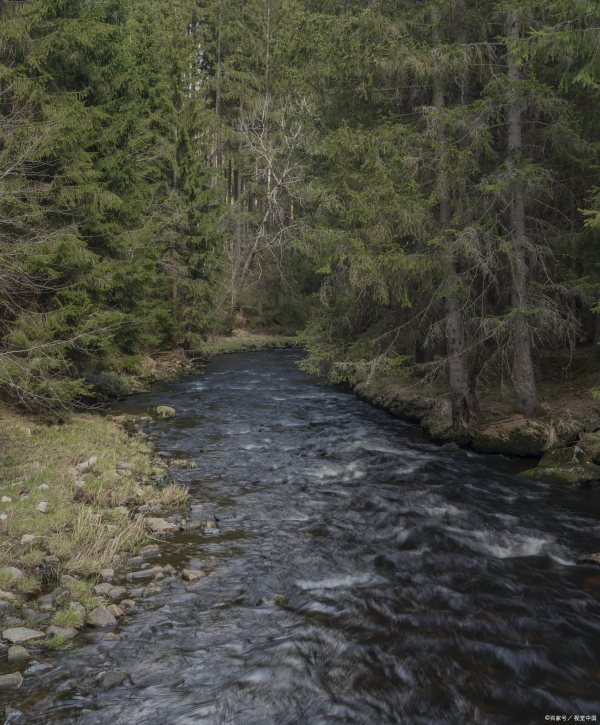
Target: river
421	586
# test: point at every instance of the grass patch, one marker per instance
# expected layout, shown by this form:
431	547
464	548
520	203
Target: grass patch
57	641
243	341
69	512
173	496
67	617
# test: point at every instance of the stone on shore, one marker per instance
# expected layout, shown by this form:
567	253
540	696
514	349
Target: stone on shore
100	617
11	681
160	526
18	635
18	653
115	610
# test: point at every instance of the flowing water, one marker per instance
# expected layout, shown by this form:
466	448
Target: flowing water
423	587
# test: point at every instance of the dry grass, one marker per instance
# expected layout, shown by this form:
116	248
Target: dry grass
242	341
81	524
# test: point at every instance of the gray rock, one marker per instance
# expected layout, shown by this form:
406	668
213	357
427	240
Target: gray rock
590	559
107	574
165	411
7	596
18	653
14	572
11	681
112	678
116	593
160	526
46	603
115	610
11	715
192	575
89	463
145	573
100	617
18	635
103	590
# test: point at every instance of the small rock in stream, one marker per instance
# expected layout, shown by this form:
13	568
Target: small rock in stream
11	681
18	653
192	575
112	678
160	526
145	573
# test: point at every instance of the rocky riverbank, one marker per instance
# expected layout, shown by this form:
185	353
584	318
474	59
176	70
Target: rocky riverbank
81	503
566	436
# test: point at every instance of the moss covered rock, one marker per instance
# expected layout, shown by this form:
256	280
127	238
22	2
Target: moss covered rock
564	465
518	436
590	443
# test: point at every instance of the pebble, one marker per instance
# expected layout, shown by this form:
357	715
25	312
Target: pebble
107	574
6	499
7	596
27	539
128	603
42	507
14	572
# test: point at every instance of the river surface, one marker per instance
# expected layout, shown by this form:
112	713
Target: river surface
423	587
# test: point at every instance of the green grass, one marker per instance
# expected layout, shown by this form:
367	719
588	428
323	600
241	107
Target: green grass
67	617
80	525
243	342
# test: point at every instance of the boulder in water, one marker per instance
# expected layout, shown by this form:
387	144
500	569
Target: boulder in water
564	465
164	412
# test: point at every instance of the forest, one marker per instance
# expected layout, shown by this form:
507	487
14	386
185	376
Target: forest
407	183
404	193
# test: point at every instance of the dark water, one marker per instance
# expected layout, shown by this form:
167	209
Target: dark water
423	587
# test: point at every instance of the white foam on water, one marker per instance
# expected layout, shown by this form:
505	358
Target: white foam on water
351	471
341	581
368	444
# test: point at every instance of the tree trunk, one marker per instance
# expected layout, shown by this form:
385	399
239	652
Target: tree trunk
522	372
463	402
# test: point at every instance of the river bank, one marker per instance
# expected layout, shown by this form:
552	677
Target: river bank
565	436
81	499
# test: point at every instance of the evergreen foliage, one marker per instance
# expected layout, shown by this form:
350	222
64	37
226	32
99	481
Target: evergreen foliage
412	181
